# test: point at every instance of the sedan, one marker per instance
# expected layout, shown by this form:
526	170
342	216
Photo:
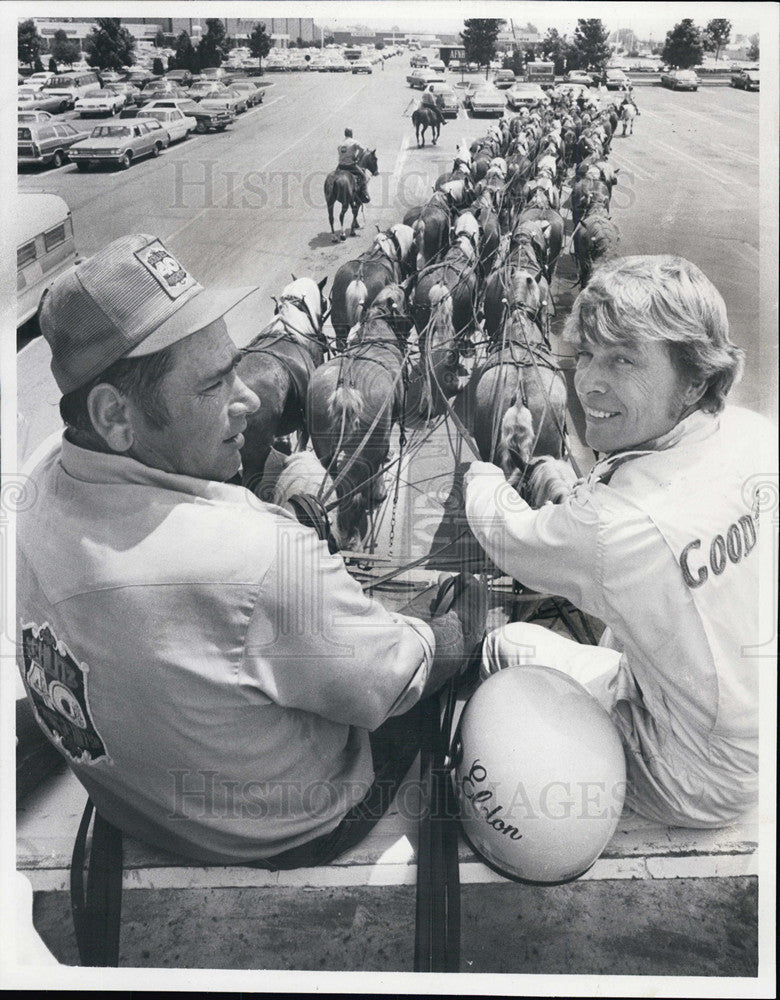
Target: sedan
132	94
617	80
578	76
38	100
503	79
680	79
206	119
362	66
26	117
161	88
119	143
253	95
100	102
199	89
488	101
746	79
173	120
446	99
525	94
224	98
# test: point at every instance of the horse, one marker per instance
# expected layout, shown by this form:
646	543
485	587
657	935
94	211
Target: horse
519	369
351	406
277	365
584	191
432	227
510	285
594	240
444	310
627	116
342	186
538	207
484	209
424	118
390	260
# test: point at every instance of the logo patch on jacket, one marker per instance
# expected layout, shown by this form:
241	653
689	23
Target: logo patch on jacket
57	686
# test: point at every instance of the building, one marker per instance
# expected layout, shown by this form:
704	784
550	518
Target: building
511	37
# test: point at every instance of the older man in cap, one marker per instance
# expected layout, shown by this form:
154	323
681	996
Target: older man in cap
217	681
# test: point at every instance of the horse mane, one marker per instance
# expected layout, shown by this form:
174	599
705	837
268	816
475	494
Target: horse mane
440	321
355	300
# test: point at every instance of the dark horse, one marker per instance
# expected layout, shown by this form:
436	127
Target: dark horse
519	369
389	260
595	239
352	404
342	186
277	365
424	118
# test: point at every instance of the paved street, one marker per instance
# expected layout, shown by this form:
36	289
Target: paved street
246	207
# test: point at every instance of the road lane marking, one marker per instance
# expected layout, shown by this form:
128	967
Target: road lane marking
620	158
231	193
714	122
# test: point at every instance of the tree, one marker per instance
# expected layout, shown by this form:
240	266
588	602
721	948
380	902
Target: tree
683	47
185	53
557	50
159	39
479	39
259	43
514	60
717	34
28	42
157	66
214	45
109	45
590	43
53	67
753	51
64	49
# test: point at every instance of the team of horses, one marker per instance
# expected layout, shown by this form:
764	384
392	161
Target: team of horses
447	312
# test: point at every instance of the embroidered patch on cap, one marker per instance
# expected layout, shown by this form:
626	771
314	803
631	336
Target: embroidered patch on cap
163	266
57	685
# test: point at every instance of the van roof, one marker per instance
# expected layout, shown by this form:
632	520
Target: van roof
39	212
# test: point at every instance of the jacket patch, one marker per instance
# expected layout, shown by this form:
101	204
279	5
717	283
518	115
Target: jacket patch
57	687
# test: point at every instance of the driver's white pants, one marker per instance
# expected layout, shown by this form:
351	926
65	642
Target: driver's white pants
520	644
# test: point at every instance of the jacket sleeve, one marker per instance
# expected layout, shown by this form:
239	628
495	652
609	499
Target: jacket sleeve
316	642
553	550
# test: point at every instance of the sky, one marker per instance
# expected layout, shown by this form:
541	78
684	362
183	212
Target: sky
645	19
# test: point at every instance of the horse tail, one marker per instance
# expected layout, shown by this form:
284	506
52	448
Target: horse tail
355	301
516	438
345	406
440	299
419	242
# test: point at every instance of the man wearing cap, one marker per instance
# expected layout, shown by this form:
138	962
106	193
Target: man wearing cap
215	678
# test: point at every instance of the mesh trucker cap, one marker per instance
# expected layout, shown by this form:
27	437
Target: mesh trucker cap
130	299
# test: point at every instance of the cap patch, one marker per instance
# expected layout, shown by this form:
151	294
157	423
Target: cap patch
164	267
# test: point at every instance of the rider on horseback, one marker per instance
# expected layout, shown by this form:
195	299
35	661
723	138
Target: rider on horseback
350	152
628	98
429	100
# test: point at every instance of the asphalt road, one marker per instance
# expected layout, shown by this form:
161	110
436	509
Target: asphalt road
246	207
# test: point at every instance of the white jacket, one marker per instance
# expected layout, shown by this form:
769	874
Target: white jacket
664	547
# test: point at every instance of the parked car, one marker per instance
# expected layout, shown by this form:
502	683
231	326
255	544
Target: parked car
109	76
69	87
25	117
120	143
437	66
252	95
362	66
100	102
503	79
47	142
173	120
206	119
39	79
161	88
38	100
418	61
217	74
181	77
338	64
746	79
224	97
574	90
420	78
132	94
140	77
578	76
486	100
199	89
616	79
523	94
680	79
446	98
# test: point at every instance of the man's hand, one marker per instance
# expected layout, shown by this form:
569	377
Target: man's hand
466	596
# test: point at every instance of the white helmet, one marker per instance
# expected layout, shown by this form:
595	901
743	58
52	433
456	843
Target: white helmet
539	774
